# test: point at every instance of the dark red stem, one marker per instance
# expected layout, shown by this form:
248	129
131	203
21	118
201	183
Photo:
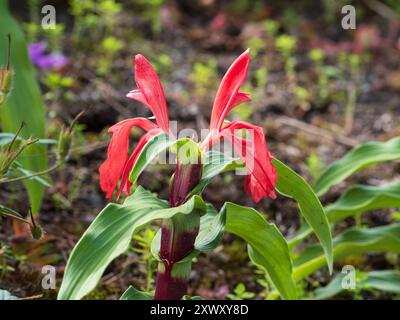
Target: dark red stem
178	236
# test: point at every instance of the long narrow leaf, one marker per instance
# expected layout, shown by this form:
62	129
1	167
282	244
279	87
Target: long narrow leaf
292	185
351	242
267	246
24	103
358	158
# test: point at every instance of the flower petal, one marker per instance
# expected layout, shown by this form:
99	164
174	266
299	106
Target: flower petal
150	91
228	95
261	178
125	185
117	154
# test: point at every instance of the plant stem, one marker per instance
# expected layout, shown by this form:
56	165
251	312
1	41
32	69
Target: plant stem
178	235
36	174
177	241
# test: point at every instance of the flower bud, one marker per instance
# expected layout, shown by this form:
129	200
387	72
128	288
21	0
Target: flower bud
6	76
64	143
187	174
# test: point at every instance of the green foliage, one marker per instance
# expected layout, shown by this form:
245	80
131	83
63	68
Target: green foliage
93	18
150	12
291	185
109	47
314	166
359	198
240	293
132	294
387	281
203	77
143	242
109	236
349	243
286	45
24	103
357	159
251	226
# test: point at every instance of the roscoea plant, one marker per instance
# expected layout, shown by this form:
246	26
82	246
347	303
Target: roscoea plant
189	225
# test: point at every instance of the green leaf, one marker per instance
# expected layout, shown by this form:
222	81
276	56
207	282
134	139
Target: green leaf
358	158
109	236
24	103
387	280
6	138
153	148
216	163
186	297
212	225
356	200
39	179
5	295
9	212
133	294
360	198
267	246
349	243
292	185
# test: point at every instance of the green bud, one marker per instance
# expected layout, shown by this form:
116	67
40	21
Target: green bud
64	143
6	76
36	232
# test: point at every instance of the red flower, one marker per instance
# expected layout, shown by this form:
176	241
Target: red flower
261	178
118	166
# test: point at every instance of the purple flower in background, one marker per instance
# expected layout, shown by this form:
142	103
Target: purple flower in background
45	61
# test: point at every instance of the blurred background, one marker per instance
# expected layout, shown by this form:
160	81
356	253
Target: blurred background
317	89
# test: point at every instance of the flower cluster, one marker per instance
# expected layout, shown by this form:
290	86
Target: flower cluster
261	177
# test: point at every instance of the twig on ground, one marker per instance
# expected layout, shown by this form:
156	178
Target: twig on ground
313	130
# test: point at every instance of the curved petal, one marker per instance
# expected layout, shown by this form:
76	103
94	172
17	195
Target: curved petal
117	154
125	185
228	95
150	91
261	178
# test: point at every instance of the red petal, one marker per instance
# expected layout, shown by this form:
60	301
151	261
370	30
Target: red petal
261	178
125	184
228	95
150	91
117	154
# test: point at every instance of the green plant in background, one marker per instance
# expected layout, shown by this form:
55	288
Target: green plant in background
54	36
314	166
163	63
12	148
94	19
109	48
240	293
150	12
271	28
33	27
144	241
6	255
356	200
286	46
202	76
303	97
351	78
317	57
56	83
256	45
24	103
